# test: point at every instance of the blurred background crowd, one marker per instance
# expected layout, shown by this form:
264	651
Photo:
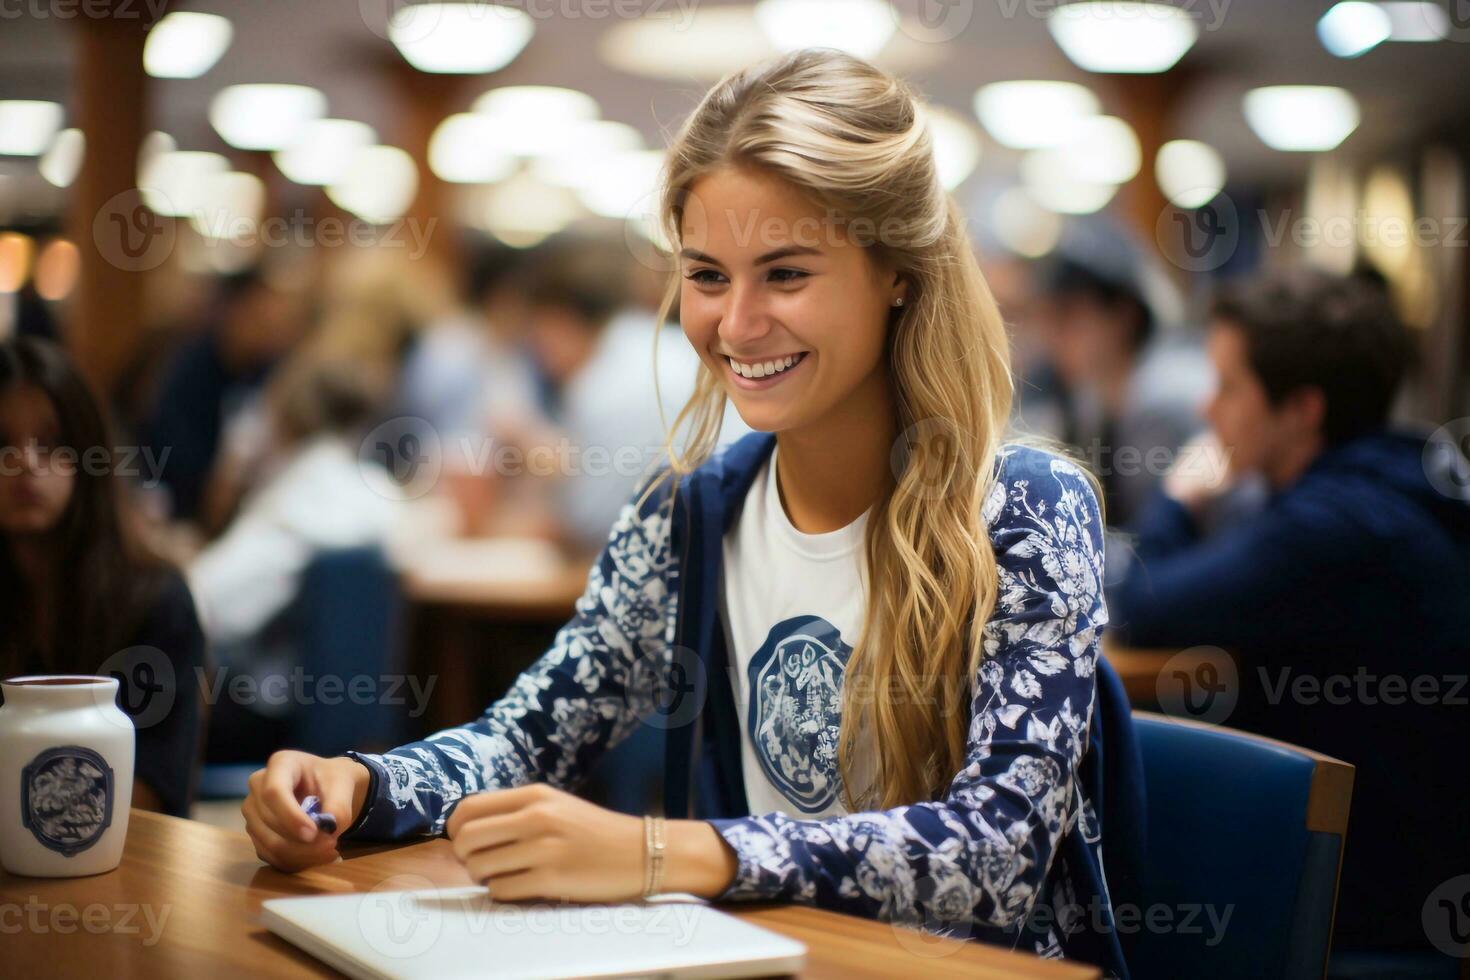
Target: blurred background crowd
369	294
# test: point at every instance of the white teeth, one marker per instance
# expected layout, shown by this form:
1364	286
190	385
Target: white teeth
763	369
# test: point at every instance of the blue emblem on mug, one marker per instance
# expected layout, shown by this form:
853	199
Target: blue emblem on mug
66	798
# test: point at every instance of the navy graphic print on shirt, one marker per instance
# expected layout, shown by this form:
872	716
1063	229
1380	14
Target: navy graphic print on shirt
795	709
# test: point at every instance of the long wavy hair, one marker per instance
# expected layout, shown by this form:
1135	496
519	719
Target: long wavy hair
110	576
854	140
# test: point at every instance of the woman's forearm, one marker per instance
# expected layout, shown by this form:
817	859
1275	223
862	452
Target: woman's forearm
697	861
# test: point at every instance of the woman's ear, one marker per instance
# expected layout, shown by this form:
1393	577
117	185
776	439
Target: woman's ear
899	290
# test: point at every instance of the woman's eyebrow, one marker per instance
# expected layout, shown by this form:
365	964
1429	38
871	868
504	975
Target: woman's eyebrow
772	256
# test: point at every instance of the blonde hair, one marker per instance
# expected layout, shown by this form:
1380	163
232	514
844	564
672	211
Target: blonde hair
854	140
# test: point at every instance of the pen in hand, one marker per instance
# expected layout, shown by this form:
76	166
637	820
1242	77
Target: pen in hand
324	821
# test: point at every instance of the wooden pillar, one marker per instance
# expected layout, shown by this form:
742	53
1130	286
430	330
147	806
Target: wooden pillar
1146	103
425	100
120	240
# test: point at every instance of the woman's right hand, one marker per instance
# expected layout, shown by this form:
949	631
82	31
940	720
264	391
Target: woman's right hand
283	835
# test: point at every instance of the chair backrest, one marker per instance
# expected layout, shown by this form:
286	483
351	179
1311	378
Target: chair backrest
1245	838
346	620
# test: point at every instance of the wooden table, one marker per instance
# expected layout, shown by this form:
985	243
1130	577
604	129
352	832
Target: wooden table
185	903
498	579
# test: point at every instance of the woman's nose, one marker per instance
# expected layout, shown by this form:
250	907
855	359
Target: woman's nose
744	317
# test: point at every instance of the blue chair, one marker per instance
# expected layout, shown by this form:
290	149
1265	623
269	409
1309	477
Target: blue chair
1245	826
347	620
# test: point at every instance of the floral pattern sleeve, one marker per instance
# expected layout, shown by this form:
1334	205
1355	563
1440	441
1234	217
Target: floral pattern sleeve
580	698
979	858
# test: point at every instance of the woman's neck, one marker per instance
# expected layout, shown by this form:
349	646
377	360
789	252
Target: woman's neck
833	470
34	559
36	562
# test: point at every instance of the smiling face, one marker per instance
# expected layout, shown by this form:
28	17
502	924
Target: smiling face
788	313
34	488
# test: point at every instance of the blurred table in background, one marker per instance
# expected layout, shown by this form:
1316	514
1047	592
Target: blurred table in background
497	578
480	610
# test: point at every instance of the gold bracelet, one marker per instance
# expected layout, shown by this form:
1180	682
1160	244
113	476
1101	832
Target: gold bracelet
654	844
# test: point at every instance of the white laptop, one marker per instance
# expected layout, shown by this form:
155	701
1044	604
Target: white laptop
449	933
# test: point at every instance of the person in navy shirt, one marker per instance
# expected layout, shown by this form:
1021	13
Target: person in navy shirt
1347	589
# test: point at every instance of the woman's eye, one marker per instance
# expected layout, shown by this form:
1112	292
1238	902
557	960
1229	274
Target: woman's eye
703	277
788	275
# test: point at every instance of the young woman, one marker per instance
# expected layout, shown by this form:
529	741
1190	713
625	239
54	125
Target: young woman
78	595
886	621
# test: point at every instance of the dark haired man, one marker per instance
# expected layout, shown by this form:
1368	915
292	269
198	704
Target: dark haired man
1346	600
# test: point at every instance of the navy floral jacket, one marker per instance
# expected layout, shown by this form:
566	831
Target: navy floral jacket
1011	854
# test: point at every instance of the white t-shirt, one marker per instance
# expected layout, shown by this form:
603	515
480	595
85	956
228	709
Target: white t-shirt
792	605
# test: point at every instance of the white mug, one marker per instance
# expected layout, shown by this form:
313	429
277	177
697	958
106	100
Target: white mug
66	776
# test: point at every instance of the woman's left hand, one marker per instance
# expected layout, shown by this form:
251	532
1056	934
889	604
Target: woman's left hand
539	842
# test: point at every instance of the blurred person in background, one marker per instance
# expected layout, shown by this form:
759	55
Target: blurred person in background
1126	386
606	395
469	371
373	310
470	377
311	496
1358	568
212	377
79	590
32	316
